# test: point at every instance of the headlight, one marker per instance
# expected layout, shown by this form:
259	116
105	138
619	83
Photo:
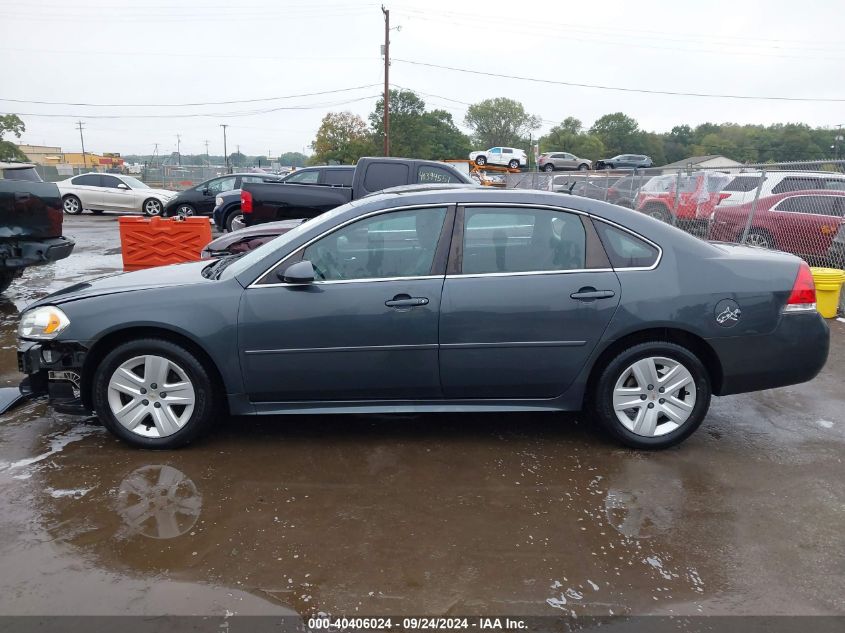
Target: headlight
43	323
218	201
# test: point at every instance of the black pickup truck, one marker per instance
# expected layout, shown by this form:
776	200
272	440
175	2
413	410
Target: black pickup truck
30	222
267	202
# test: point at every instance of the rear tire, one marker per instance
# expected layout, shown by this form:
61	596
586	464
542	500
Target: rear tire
655	420
125	397
758	238
71	205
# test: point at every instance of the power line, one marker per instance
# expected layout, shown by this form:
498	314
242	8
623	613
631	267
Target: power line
182	105
618	88
316	106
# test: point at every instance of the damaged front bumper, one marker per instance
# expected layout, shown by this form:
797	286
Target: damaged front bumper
52	369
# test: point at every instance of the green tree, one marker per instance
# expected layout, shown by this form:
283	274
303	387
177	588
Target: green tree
617	131
500	121
415	132
343	137
292	159
8	150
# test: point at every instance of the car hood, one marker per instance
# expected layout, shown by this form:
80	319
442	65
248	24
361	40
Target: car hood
164	193
158	277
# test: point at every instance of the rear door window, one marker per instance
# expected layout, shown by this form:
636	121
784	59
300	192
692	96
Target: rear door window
87	180
624	249
29	174
798	183
503	240
338	177
743	184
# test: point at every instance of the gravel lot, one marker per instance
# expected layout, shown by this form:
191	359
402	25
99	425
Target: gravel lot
447	514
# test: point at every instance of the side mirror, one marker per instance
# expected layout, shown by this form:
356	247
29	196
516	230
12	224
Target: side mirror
298	273
123	186
205	192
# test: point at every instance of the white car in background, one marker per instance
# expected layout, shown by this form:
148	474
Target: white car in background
111	192
743	186
512	157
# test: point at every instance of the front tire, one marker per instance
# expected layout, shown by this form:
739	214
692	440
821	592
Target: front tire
234	214
153	394
548	167
186	210
657	211
513	164
152	207
583	167
480	160
630	405
71	205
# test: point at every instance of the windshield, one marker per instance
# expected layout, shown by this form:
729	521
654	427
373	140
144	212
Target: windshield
280	243
134	182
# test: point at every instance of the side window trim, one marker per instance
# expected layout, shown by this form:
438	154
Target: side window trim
268	278
454	267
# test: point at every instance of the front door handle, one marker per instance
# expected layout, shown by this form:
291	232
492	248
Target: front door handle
405	301
591	294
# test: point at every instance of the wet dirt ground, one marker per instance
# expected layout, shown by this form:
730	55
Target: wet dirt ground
451	514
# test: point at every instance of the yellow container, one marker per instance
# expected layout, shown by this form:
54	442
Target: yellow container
828	286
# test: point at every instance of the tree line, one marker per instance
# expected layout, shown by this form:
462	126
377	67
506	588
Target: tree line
418	132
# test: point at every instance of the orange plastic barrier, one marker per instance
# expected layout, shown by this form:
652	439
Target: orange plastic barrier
148	242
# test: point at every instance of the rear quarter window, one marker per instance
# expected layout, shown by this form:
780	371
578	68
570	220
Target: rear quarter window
624	249
743	184
29	174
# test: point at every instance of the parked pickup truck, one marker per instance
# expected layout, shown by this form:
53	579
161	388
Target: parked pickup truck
30	222
267	202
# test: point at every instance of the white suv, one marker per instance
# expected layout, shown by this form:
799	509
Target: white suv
743	186
509	156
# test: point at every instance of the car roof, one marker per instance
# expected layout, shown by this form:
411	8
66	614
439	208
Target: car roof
16	165
311	167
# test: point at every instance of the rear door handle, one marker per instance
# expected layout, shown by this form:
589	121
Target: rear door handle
22	195
405	301
591	294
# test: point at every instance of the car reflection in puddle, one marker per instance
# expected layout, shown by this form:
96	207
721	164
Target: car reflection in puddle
158	501
645	499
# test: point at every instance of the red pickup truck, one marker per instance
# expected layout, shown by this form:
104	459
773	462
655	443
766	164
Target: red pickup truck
691	205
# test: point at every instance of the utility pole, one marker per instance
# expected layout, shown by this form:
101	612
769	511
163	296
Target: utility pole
179	149
155	153
225	151
82	140
238	154
386	51
207	159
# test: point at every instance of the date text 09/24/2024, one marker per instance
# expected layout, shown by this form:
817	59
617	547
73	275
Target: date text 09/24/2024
415	623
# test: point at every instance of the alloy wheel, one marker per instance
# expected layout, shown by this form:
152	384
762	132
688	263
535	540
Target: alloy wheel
151	396
654	396
185	210
757	239
152	207
71	206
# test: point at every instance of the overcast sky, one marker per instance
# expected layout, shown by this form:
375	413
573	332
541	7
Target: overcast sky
153	54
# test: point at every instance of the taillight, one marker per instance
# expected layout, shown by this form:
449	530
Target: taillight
246	202
803	295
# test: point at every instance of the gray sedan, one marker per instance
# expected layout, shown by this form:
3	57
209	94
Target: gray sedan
440	300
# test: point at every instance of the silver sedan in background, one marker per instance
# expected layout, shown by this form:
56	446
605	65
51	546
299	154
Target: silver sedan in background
111	192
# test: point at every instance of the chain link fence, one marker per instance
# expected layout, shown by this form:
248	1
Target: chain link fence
796	207
172	177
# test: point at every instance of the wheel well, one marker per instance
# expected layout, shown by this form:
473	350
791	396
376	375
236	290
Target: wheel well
693	343
106	344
